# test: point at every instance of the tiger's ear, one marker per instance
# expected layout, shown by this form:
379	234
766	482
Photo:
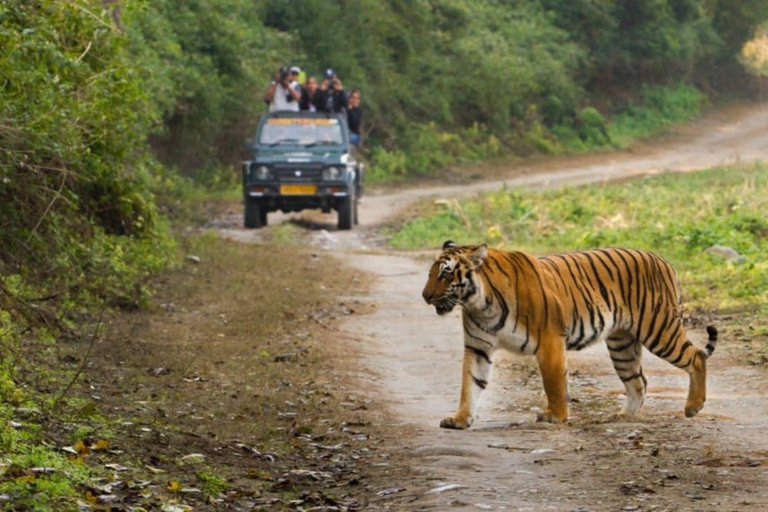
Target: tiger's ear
448	244
478	255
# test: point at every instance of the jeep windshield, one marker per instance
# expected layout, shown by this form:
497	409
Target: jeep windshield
302	131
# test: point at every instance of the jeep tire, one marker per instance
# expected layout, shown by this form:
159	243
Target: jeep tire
255	214
347	211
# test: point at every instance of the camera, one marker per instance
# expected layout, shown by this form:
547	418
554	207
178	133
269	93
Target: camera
285	73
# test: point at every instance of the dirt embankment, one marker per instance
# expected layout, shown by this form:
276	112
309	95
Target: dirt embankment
228	392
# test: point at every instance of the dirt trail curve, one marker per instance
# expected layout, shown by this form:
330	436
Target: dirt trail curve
660	461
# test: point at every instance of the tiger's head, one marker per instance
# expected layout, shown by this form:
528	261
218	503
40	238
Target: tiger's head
453	276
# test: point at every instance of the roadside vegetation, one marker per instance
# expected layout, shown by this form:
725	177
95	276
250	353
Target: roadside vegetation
653	110
225	391
678	216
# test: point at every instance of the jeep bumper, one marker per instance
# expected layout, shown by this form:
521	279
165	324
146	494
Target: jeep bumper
291	197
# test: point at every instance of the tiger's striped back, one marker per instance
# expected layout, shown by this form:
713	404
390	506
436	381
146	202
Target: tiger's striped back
616	289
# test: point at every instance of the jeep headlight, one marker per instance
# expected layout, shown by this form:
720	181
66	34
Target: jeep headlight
331	173
262	172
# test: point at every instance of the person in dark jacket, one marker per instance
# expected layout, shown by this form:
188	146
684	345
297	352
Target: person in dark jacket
354	117
309	95
331	96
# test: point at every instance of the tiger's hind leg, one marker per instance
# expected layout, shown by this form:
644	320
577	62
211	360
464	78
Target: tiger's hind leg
677	350
626	354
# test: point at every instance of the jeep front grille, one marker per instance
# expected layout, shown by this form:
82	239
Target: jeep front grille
298	172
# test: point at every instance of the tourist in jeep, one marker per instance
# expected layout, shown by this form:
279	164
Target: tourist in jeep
284	92
309	95
331	95
354	117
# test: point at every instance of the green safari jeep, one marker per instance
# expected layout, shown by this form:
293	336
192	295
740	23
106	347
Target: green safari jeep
301	160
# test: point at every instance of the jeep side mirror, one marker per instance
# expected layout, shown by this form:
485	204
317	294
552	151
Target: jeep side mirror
249	143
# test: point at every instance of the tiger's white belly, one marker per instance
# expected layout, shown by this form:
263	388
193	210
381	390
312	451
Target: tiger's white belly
516	341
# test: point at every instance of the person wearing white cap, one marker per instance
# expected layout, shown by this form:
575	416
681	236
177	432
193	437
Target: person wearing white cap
284	92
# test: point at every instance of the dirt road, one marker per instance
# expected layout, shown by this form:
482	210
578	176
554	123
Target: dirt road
660	461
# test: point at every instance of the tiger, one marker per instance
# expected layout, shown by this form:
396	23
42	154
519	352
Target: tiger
543	306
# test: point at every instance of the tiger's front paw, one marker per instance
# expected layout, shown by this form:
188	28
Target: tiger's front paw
692	408
456	423
549	416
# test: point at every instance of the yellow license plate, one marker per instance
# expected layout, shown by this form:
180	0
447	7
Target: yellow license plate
298	190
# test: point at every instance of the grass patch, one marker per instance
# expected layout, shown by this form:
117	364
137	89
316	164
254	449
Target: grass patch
212	484
675	215
284	234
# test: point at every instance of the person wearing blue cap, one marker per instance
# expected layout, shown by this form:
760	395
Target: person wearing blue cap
331	96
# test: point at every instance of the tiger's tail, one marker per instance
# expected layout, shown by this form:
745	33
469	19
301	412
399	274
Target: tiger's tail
712	340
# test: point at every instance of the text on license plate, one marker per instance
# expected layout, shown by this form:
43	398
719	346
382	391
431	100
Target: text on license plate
298	190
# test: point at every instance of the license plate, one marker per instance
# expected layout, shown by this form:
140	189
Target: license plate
298	190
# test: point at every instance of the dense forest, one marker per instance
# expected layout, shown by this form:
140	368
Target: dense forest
110	109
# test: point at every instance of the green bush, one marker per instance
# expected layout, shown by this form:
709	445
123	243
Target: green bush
658	108
424	149
206	63
80	230
74	197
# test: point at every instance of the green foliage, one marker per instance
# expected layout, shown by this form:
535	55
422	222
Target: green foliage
735	22
725	206
658	108
592	127
79	228
641	41
206	63
42	479
74	117
197	71
426	148
455	63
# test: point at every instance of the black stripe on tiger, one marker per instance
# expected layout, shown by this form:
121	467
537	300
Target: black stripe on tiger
476	338
680	356
480	382
712	340
633	377
479	353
